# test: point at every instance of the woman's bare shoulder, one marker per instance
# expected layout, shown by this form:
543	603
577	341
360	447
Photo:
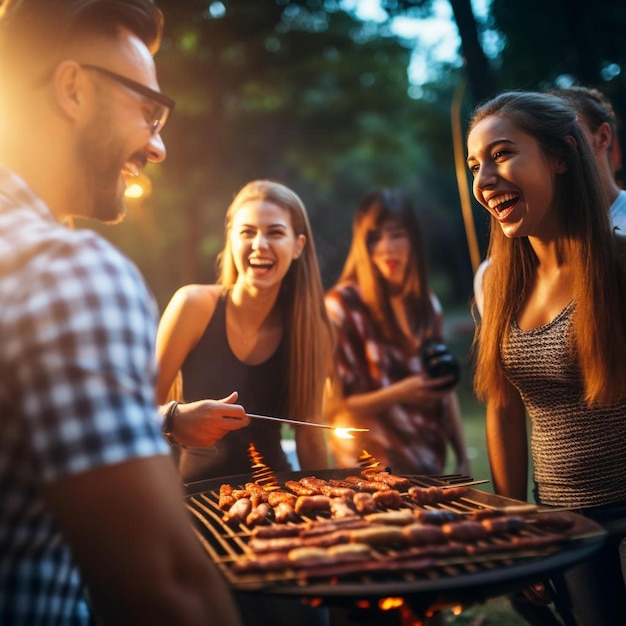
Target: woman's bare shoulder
195	304
198	295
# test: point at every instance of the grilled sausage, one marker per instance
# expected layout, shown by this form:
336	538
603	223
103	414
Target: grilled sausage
423	534
465	531
334	482
377	534
391	518
238	512
453	493
349	552
261	514
366	485
274	497
364	502
424	495
339	507
256	493
262	563
273	544
337	492
312	482
275	531
326	526
435	516
298	488
389	498
480	514
284	512
308	504
395	482
226	498
504	524
308	556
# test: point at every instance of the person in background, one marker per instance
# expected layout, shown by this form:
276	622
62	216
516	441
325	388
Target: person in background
597	119
262	332
383	313
552	339
92	523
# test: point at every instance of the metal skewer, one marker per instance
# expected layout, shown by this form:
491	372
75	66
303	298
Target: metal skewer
301	423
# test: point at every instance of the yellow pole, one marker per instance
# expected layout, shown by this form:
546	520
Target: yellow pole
461	174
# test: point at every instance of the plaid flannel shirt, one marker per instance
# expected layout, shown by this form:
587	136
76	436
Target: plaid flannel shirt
77	373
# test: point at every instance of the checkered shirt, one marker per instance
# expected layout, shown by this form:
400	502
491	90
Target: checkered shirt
77	373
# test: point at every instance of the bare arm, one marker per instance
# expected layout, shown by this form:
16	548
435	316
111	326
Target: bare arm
507	446
201	423
456	436
184	320
311	448
159	575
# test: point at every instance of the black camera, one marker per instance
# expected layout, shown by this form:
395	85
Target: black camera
439	362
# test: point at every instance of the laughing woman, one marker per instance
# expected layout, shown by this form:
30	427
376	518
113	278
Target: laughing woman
261	332
552	341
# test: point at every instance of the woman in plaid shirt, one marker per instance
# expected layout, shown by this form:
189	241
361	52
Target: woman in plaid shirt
383	311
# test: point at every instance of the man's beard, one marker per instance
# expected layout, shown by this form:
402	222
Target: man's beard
102	163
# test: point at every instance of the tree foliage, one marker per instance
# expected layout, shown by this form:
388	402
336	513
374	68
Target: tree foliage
563	42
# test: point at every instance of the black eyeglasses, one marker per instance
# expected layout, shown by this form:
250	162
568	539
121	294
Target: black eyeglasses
165	104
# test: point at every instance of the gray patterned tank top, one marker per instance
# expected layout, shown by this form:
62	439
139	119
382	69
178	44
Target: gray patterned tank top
579	452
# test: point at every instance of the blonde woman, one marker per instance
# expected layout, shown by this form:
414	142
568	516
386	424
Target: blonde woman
259	336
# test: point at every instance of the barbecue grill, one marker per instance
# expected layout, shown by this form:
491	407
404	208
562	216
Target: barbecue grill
423	578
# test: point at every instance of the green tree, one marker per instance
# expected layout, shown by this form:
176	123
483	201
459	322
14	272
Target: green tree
563	42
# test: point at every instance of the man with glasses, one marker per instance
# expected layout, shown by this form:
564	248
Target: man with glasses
92	525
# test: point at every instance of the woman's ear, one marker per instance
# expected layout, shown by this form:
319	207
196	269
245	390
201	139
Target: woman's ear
300	243
560	166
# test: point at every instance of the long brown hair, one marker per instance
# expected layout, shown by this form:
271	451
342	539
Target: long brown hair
586	241
301	298
376	208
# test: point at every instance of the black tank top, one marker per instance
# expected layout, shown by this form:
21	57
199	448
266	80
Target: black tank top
211	370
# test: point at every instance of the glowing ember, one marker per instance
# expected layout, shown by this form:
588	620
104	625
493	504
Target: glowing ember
389	604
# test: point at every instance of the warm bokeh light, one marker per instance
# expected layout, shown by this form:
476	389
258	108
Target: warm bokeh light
343	433
139	186
346	433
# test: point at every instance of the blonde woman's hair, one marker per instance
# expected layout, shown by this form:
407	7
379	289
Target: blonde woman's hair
586	242
308	333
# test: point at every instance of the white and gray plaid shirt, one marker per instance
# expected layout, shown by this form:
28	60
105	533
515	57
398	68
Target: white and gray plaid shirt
77	373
